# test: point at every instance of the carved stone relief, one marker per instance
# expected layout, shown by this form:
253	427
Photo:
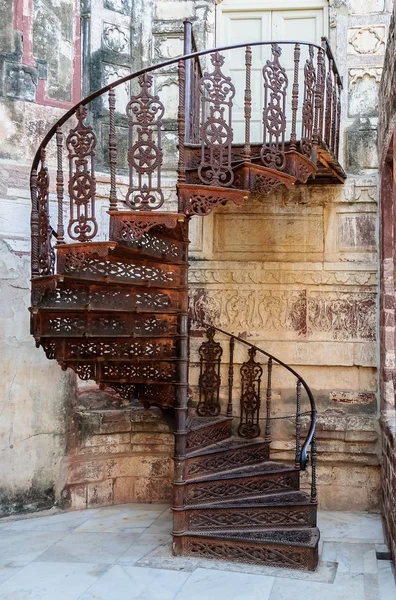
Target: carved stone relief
116	38
343	315
363	92
367	40
121	6
21	82
167	46
112	73
362	7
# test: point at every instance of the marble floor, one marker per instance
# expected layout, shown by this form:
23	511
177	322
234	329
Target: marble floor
123	553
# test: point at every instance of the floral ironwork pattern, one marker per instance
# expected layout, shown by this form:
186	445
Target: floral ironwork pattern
308	105
210	354
46	255
217	92
251	373
145	155
274	113
81	143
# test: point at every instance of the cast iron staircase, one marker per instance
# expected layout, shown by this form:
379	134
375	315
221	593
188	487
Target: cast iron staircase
110	297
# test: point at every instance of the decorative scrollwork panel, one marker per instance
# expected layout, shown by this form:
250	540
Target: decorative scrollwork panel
145	156
274	112
216	93
308	105
210	354
81	143
251	373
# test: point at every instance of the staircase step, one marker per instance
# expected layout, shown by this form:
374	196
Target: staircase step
55	324
204	431
227	454
64	293
106	261
259	468
249	483
287	547
268	511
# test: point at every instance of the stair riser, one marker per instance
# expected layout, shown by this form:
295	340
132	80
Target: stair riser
112	348
222	461
55	324
211	434
237	518
119	269
265	554
69	296
205	492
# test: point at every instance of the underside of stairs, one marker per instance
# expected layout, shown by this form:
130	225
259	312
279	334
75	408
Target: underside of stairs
236	504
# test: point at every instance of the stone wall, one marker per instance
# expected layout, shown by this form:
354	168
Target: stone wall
387	156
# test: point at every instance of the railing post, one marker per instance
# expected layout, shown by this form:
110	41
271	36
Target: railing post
112	151
298	425
34	225
230	376
294	102
187	49
60	235
314	494
248	103
319	100
268	402
181	168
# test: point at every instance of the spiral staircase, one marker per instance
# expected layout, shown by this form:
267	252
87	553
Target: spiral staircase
112	305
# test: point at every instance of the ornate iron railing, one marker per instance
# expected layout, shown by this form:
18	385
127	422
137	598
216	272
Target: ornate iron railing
231	142
255	393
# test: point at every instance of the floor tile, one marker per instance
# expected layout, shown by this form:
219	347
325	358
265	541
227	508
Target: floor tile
386	580
25	545
145	544
121	519
66	521
352	527
163	524
348	588
214	585
90	547
59	582
135	583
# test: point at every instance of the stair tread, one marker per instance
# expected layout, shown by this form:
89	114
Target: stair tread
196	423
275	499
261	468
225	445
304	536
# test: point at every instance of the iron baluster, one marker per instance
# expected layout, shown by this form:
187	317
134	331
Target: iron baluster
308	105
268	401
60	235
181	125
217	93
81	143
210	354
46	255
248	103
318	112
337	139
294	103
329	100
34	225
187	49
314	494
251	373
274	114
230	376
334	115
298	425
145	156
112	150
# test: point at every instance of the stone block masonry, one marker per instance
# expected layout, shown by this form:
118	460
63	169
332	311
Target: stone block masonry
119	456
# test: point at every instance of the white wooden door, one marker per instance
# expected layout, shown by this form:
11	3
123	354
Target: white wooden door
238	22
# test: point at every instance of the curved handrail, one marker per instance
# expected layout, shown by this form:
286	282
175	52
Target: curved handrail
311	431
151	68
